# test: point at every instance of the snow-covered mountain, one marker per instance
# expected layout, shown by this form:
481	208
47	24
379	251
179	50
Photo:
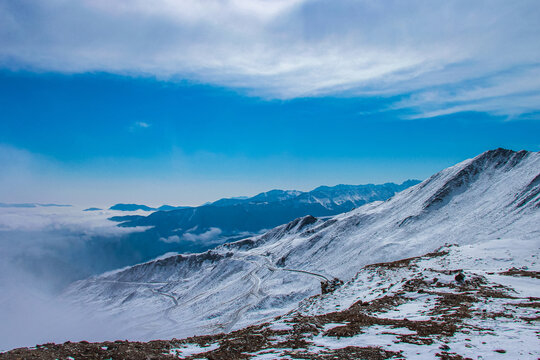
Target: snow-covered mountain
333	196
203	227
492	199
329	197
264	197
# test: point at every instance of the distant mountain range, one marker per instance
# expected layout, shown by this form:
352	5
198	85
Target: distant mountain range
135	207
330	197
30	205
228	219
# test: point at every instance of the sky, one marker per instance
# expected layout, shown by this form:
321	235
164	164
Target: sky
183	102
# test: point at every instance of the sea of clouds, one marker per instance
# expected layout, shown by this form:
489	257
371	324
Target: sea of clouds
42	250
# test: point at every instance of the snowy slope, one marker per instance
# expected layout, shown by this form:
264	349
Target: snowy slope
417	307
493	196
477	301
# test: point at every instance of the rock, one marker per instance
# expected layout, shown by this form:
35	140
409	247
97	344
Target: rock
330	286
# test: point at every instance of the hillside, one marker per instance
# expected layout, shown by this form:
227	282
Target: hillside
460	302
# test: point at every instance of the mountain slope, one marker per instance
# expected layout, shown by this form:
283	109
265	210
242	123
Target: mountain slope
460	302
493	196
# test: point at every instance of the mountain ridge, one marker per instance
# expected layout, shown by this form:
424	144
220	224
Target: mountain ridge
238	218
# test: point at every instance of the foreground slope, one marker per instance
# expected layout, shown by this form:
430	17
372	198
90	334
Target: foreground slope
493	196
478	301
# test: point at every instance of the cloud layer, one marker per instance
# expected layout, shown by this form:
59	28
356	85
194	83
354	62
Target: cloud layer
439	57
42	249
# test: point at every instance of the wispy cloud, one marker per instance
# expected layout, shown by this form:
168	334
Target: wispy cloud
209	235
509	93
139	125
286	49
170	239
142	124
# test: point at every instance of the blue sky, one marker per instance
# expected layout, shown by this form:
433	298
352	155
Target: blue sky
183	103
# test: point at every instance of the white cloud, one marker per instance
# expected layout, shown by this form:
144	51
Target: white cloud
142	124
508	94
170	239
210	234
42	249
30	315
65	219
139	125
287	49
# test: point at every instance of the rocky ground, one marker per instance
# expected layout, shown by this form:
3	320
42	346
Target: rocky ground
470	302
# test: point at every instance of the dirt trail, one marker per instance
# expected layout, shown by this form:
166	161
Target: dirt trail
307	272
130	282
253	296
250	298
271	267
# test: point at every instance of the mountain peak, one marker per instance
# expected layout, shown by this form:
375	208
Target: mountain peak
470	170
131	207
501	156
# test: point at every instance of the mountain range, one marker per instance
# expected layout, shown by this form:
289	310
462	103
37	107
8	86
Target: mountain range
466	235
235	218
135	207
30	205
65	261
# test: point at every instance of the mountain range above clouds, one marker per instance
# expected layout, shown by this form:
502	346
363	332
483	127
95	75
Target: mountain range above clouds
154	120
235	218
54	245
329	195
468	218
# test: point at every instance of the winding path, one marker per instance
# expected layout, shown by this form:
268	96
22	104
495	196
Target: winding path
250	298
255	292
167	312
